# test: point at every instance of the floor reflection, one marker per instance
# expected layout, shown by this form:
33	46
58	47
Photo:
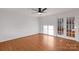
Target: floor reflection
48	41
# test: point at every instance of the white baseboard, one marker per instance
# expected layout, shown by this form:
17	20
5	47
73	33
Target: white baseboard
12	37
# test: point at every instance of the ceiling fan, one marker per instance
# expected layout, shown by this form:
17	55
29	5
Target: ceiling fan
39	10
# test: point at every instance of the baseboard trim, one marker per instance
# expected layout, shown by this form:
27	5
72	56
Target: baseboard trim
33	35
18	37
59	37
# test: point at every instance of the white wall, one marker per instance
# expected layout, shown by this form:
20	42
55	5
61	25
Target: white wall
52	20
15	23
48	20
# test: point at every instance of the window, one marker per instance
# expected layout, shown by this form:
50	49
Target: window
48	29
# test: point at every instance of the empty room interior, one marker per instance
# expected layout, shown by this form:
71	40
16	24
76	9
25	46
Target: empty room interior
39	29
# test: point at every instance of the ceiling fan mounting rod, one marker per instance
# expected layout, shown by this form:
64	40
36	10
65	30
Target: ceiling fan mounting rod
39	9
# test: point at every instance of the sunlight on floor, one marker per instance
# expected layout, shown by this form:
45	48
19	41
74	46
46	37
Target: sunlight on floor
48	41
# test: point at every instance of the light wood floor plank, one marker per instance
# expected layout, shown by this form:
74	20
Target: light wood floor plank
39	42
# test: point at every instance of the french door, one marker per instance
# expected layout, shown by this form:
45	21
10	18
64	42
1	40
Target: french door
70	26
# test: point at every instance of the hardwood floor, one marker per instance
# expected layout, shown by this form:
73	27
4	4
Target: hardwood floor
39	42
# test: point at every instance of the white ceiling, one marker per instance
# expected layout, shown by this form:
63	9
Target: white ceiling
53	11
29	11
58	10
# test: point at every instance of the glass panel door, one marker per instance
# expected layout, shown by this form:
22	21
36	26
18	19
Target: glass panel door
60	28
70	27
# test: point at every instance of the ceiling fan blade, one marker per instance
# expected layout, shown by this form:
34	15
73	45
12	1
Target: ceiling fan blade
43	9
